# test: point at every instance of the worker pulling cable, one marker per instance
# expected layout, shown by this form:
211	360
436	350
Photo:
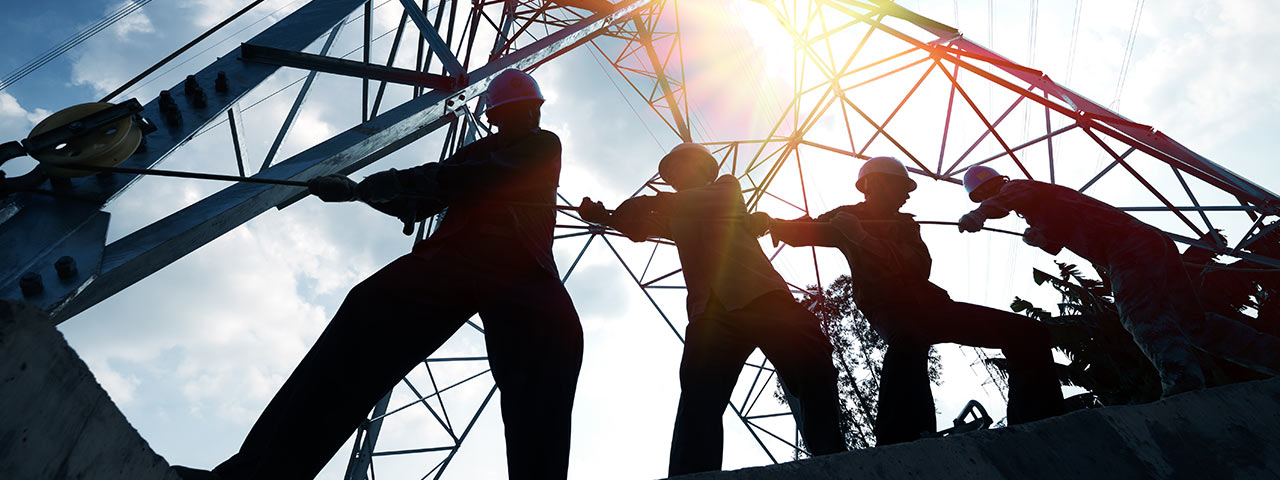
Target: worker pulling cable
482	260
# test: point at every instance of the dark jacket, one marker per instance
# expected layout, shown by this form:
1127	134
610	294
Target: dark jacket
1088	227
484	184
890	268
719	253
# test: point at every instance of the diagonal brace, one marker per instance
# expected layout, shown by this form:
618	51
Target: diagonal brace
432	37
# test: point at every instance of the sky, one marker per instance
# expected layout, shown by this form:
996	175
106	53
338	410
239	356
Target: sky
192	353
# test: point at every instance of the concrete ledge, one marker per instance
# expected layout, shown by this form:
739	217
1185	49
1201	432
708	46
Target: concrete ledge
1225	432
56	422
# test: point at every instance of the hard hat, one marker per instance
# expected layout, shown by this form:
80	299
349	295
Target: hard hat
684	152
512	86
883	166
977	176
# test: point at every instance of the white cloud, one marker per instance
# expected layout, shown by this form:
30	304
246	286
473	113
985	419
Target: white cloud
15	123
105	63
208	13
120	387
12	115
135	23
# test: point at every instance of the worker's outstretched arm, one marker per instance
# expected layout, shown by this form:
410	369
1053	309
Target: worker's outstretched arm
530	163
1013	195
805	232
639	218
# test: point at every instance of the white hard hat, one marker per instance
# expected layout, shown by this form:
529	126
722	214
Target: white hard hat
976	177
512	86
883	166
686	151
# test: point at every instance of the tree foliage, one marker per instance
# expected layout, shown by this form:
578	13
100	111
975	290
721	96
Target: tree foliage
1105	361
859	353
1103	358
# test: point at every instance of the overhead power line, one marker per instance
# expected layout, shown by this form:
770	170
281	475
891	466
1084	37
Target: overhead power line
1128	51
1075	35
182	49
68	44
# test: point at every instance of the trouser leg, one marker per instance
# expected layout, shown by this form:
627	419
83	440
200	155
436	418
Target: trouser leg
1152	314
387	324
1234	341
1034	392
535	350
905	409
1216	334
792	339
713	356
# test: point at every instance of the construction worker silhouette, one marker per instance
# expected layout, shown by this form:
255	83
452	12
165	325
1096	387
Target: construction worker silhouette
736	303
1153	293
889	264
489	256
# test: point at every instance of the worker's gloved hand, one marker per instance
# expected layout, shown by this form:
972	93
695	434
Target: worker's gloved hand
1035	237
972	221
380	187
758	224
593	212
333	188
782	230
850	226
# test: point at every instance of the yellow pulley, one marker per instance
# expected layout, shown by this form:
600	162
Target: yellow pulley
104	146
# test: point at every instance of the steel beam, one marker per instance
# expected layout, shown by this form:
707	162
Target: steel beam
39	228
339	66
297	102
155	246
645	36
438	45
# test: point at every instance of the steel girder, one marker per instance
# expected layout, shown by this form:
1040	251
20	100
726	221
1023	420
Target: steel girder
37	230
140	253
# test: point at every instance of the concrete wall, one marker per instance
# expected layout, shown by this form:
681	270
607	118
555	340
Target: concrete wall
1230	432
56	422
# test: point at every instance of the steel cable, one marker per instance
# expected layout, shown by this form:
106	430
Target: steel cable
68	44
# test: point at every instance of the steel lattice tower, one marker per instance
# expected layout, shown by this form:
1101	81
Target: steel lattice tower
857	66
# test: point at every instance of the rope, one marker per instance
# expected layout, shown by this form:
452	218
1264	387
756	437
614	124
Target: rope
569	208
295	183
193	175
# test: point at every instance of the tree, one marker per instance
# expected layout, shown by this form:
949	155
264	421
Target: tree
859	352
1103	356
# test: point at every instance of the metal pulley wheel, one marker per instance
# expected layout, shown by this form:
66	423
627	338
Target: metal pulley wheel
105	146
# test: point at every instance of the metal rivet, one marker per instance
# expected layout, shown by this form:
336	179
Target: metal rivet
66	267
31	284
220	84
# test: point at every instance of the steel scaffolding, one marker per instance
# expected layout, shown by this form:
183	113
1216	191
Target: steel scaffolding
857	66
